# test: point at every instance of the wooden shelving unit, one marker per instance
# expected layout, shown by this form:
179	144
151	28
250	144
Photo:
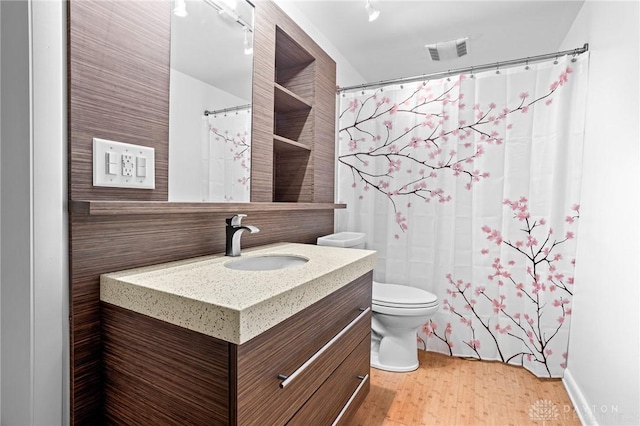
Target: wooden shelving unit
293	126
293	130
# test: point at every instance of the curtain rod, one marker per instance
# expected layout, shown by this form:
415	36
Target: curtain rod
231	109
447	73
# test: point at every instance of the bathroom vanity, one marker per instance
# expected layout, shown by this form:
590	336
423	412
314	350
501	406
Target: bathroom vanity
122	362
196	342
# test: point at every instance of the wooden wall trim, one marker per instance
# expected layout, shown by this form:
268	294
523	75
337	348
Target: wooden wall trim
99	208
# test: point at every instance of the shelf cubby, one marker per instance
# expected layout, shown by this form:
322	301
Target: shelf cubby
282	144
294	116
286	101
293	129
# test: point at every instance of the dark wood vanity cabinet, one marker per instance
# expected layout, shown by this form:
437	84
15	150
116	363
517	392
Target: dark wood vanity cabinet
312	368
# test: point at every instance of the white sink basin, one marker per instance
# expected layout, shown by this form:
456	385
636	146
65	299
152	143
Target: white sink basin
266	263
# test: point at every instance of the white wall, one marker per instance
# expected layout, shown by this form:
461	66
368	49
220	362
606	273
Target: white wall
50	295
34	283
602	375
0	223
15	226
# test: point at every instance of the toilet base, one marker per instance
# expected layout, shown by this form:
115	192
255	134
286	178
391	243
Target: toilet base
396	352
375	363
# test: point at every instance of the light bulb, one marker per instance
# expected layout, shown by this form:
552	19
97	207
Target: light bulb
180	9
248	42
372	12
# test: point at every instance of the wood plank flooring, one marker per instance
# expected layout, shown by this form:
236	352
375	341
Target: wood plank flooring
455	391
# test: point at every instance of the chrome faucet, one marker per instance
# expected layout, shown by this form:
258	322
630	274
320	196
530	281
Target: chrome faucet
234	231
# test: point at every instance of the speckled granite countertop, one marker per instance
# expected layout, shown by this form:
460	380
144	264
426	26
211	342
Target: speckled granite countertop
203	295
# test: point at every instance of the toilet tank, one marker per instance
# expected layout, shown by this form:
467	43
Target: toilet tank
343	239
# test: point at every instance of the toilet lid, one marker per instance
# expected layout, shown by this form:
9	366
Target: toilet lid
394	295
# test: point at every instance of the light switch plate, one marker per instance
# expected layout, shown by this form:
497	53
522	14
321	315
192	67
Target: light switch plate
128	173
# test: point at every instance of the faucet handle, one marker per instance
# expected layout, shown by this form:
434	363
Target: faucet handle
236	220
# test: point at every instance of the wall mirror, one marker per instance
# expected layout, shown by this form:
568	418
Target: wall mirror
210	100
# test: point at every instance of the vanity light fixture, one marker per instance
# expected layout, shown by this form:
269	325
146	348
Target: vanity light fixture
180	8
248	42
223	10
230	13
223	7
371	11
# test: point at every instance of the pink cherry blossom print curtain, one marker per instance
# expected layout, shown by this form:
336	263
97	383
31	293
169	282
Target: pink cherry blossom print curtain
468	187
226	156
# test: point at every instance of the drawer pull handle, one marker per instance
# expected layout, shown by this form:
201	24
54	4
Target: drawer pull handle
286	380
353	396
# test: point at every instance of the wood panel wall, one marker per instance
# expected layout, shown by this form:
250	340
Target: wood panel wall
118	84
264	51
118	64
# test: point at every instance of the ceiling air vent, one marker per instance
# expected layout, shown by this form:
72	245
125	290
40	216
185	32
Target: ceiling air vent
433	51
447	50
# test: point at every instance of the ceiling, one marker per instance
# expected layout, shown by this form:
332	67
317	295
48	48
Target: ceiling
393	45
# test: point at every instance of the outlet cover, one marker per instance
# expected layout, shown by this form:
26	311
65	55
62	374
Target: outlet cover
123	165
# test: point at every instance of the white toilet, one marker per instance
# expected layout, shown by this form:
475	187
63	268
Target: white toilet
398	312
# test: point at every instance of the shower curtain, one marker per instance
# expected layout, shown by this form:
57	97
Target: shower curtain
226	156
468	187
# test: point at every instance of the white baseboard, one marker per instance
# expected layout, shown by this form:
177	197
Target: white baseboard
578	400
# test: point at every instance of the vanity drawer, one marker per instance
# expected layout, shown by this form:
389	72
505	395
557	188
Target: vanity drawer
307	348
339	396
